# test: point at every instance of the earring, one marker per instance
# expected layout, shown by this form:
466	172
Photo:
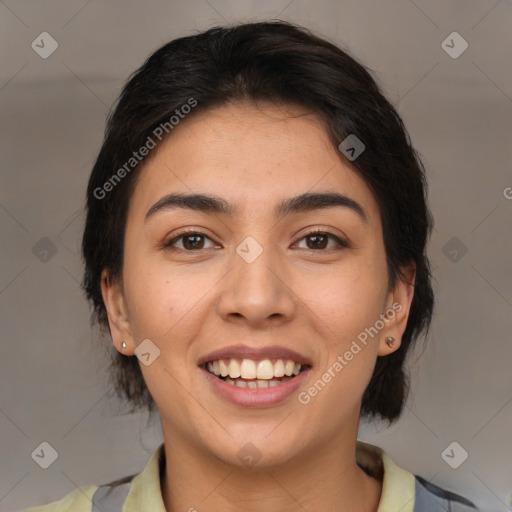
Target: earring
389	341
123	345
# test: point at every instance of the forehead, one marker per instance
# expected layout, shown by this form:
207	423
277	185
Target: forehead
253	156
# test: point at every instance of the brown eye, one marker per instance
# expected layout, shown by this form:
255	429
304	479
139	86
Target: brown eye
193	241
190	241
318	240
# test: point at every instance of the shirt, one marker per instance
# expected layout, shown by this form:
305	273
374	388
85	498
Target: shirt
401	490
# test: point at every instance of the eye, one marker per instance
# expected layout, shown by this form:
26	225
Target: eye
320	240
193	241
190	240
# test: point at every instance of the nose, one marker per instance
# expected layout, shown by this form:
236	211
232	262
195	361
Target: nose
259	292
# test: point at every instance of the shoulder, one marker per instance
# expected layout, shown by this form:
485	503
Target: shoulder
430	498
137	491
405	491
91	498
79	500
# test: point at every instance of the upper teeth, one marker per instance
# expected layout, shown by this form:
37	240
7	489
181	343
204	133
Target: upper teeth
249	369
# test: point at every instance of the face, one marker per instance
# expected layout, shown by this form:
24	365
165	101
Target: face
251	289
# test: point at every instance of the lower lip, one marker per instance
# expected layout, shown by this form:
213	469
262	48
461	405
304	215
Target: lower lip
256	397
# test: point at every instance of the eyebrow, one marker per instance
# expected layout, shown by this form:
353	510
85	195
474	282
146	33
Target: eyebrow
213	204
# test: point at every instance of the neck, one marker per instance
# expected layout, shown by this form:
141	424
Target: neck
326	477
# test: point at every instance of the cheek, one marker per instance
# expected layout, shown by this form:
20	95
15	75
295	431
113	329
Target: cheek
345	318
350	300
350	306
158	296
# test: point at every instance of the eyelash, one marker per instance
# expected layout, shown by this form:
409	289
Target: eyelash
168	245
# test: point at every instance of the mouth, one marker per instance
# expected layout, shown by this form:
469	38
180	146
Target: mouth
255	373
255	377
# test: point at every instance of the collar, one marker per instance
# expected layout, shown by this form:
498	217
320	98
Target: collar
397	485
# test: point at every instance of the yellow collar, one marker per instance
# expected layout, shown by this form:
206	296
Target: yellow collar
397	486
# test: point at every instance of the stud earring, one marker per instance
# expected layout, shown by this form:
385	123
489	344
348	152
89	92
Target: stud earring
389	341
123	345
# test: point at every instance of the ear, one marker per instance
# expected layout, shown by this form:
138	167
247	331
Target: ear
398	305
118	318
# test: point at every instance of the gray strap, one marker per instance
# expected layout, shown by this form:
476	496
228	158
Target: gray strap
431	498
425	501
110	498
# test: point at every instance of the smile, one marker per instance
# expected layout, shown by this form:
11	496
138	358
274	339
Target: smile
254	374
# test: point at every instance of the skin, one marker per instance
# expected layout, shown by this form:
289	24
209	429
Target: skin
312	300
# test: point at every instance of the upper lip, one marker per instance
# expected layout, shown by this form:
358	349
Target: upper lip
256	354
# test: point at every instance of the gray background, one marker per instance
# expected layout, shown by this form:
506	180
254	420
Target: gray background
459	114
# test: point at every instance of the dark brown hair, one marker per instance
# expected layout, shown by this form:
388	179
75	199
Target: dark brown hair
280	63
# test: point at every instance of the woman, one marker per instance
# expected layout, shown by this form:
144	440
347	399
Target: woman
256	244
